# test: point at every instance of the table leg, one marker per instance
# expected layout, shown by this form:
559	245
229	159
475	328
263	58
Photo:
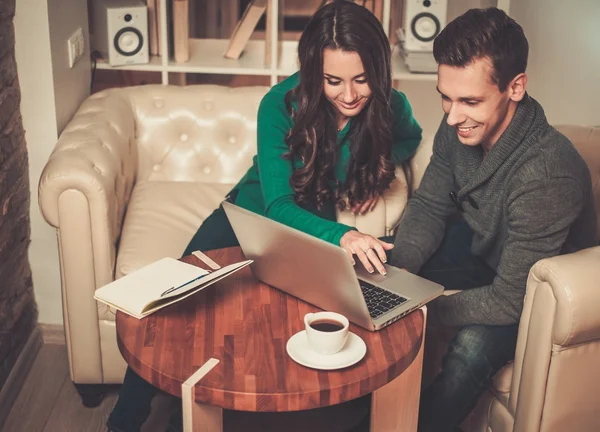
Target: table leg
395	406
198	417
205	418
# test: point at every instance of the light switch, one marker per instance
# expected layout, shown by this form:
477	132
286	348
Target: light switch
75	47
72	50
80	47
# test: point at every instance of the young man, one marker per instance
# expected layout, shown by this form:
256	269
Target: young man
521	191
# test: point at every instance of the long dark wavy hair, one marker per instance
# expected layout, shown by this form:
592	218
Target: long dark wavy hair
313	138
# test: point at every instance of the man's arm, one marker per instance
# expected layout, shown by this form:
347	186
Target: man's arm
422	227
539	217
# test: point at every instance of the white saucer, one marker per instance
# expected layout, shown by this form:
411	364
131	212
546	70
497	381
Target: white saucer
299	350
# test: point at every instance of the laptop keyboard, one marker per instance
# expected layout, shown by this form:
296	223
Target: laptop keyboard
379	301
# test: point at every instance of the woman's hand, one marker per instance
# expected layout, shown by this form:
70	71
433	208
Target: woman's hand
365	206
369	250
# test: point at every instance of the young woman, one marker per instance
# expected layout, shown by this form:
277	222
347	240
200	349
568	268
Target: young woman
329	135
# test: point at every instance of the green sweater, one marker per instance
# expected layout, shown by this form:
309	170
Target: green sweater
266	190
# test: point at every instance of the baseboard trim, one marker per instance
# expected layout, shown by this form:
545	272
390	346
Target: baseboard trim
53	334
11	388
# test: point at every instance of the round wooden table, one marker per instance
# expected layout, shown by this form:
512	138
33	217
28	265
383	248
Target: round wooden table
245	325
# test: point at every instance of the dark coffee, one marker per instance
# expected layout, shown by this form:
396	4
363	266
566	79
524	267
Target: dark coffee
326	325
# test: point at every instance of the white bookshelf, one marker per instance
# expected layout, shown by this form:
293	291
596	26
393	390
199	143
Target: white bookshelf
206	55
155	65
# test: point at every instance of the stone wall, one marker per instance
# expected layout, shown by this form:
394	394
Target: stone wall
18	311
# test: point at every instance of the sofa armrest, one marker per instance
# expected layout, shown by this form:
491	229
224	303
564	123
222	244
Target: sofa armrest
384	218
83	192
560	311
575	282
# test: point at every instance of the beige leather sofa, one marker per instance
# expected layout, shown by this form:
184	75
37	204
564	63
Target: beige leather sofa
137	170
132	177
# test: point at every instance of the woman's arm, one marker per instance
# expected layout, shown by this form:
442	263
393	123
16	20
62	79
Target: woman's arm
275	173
406	132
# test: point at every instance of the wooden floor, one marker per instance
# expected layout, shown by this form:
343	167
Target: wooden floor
48	401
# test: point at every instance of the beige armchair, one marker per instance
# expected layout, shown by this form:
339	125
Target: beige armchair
132	177
553	383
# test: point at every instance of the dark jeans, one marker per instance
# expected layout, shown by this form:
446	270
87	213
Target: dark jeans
136	394
477	352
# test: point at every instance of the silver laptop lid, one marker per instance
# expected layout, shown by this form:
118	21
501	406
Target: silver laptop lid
300	264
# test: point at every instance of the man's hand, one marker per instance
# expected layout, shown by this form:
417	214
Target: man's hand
369	250
365	206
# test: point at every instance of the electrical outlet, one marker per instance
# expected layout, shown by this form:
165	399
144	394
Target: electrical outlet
75	47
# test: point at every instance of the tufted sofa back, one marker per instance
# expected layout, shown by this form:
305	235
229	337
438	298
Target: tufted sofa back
197	133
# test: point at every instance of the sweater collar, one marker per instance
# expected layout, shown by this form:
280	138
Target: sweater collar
528	116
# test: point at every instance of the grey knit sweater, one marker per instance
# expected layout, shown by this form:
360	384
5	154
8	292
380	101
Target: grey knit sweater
534	200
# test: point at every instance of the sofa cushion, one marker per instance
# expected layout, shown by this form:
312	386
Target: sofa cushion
161	219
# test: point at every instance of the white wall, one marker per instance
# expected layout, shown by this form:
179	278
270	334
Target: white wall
71	86
50	93
564	57
34	65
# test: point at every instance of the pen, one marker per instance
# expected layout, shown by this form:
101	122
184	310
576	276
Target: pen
170	290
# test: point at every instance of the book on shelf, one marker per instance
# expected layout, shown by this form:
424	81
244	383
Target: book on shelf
160	284
158	16
153	35
181	31
244	28
268	38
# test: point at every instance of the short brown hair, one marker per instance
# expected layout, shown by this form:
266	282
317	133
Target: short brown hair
481	33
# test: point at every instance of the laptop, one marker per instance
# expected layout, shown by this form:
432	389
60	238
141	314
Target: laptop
320	273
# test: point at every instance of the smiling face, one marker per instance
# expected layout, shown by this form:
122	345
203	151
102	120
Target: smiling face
344	83
476	107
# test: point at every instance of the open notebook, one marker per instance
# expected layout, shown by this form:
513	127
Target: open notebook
160	284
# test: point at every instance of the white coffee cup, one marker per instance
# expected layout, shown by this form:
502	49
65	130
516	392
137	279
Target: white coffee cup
327	332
